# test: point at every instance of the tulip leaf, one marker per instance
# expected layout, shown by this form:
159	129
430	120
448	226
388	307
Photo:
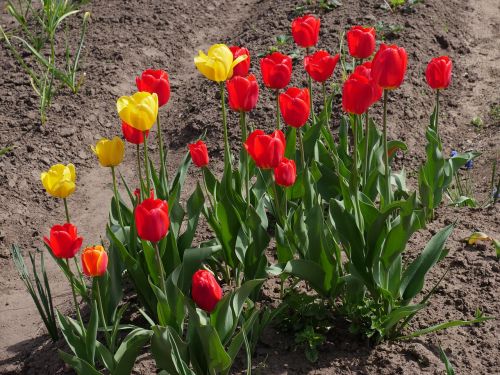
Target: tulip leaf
191	263
81	366
91	332
169	351
129	349
194	207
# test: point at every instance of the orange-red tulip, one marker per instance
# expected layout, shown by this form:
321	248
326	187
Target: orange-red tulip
361	41
389	66
243	93
438	72
276	70
295	106
267	151
320	65
151	219
285	173
199	153
205	290
64	241
94	261
357	94
305	30
155	81
242	68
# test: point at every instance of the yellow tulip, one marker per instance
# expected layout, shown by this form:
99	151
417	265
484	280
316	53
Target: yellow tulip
139	110
109	151
59	180
218	64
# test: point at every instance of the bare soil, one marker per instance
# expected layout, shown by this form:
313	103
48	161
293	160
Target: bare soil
126	37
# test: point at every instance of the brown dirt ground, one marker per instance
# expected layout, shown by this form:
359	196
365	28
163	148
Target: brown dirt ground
126	37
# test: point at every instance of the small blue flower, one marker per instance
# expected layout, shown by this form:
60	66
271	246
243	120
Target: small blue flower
469	164
453	153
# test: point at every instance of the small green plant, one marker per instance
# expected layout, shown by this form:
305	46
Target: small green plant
477	122
461	191
4	150
329	5
495	113
388	31
33	45
446	361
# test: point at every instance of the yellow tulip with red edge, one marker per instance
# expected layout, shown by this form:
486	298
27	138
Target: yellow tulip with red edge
139	110
59	180
218	64
110	152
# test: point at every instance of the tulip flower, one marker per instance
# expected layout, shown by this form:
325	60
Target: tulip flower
205	290
64	241
243	93
155	81
276	70
295	106
139	110
361	41
132	135
94	261
285	173
438	72
389	66
109	152
59	180
320	65
199	153
242	68
365	69
151	219
266	150
357	94
305	31
218	64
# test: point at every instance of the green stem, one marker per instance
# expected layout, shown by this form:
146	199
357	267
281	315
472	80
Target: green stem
161	272
163	169
387	193
138	153
146	164
436	119
77	308
309	86
208	194
278	113
301	146
227	153
355	171
243	125
367	152
66	211
325	102
117	200
277	204
103	319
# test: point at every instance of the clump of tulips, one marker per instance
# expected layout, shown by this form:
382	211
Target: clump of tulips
321	183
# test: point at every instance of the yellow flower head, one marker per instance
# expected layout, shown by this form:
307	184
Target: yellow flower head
218	64
59	180
109	151
139	110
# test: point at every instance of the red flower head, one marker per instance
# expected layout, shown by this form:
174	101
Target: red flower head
199	153
266	150
133	135
151	219
155	81
295	106
357	94
243	67
361	41
305	30
205	290
438	72
64	241
94	261
243	93
389	66
320	65
365	69
285	173
276	70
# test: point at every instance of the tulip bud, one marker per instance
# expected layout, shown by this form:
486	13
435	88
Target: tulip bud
94	261
59	180
285	173
320	65
199	153
133	135
276	70
267	151
242	68
139	110
218	64
438	72
295	106
205	290
109	152
155	81
64	241
361	41
389	66
305	31
151	219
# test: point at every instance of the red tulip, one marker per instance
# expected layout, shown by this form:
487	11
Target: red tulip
199	153
64	241
243	67
305	30
133	135
438	72
94	261
389	66
266	150
365	69
151	219
243	93
155	81
357	94
295	106
276	70
361	41
285	173
320	65
205	290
